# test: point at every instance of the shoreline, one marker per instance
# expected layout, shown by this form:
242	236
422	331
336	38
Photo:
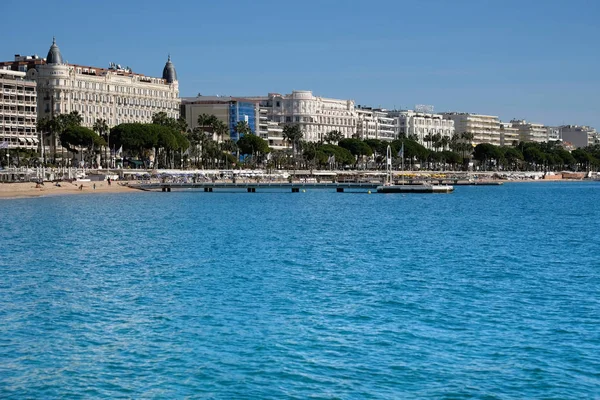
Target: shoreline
24	190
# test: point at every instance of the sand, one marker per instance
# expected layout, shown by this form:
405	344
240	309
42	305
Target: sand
29	189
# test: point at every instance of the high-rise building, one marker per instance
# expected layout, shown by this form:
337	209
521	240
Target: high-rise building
422	126
230	110
18	110
484	128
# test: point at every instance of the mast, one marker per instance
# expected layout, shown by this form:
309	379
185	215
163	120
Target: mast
389	165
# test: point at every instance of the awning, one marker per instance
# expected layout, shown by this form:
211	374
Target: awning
29	140
35	140
22	140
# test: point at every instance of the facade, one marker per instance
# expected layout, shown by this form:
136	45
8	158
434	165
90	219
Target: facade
114	94
230	110
270	131
484	128
530	132
552	134
422	125
374	123
578	136
316	115
18	110
508	134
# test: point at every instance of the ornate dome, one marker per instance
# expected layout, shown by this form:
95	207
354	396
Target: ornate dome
169	73
54	56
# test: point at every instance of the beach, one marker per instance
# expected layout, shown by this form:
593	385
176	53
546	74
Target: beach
31	189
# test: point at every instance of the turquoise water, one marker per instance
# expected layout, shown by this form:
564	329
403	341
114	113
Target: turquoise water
489	292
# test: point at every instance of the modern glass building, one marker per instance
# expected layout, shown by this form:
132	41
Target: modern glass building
241	111
230	110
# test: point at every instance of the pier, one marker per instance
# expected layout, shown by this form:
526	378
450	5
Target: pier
253	187
294	187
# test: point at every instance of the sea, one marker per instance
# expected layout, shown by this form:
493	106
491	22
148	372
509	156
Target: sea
491	292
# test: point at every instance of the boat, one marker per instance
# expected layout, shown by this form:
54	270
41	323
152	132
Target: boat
426	188
390	187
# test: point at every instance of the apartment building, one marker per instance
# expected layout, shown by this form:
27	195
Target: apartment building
18	110
579	136
509	134
530	132
374	123
484	128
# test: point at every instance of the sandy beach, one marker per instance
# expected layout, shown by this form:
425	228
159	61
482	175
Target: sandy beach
30	189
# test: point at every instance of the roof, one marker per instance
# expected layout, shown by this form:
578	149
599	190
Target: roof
169	73
54	56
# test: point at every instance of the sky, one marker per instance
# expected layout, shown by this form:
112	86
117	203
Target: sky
530	59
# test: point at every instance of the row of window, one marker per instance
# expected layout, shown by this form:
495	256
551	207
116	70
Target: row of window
114	88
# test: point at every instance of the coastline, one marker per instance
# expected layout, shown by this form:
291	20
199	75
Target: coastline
21	190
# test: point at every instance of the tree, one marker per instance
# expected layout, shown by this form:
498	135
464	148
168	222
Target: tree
79	136
333	137
242	128
252	144
101	128
220	128
356	147
135	138
512	156
292	134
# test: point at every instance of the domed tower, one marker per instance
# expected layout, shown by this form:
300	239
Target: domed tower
169	73
54	56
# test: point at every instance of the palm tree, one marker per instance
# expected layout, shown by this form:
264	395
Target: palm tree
436	141
206	122
427	139
242	128
445	141
292	134
219	128
101	128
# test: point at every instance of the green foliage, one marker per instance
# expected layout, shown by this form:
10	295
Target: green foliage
136	137
485	152
342	156
377	146
356	146
293	134
250	144
242	128
333	137
412	149
80	136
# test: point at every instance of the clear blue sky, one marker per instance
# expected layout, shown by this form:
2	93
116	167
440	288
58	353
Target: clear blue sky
530	59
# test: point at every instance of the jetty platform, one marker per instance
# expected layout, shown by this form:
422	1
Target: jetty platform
294	187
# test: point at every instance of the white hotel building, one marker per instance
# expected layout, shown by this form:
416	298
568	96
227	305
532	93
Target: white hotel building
114	94
316	115
420	124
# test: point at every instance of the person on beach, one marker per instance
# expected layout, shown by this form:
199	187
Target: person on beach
81	187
